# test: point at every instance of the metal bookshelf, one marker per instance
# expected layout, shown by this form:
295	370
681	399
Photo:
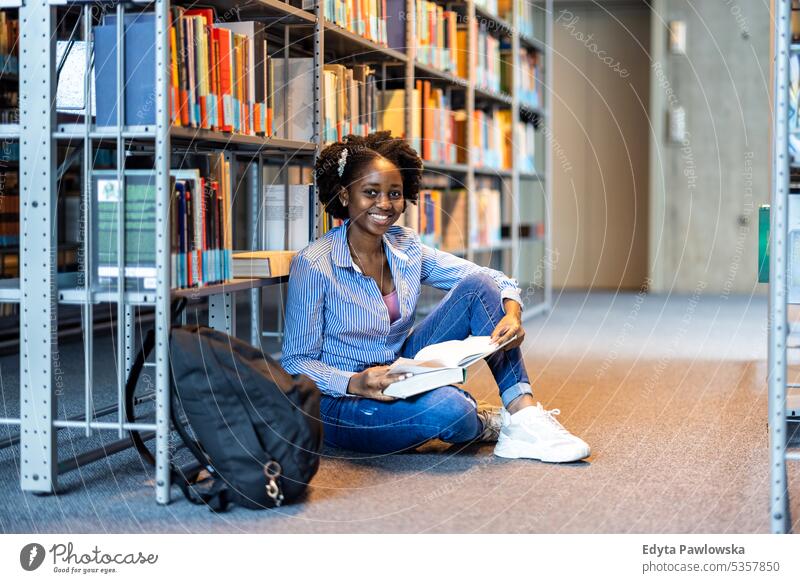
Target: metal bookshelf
40	291
783	399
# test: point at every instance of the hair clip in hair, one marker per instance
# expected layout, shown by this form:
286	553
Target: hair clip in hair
342	161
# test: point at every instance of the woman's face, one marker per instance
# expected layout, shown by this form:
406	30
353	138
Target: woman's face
374	200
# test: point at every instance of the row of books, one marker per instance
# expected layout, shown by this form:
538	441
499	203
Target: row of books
380	21
9	68
9	34
442	218
438	131
525	147
221	76
200	226
220	73
439	42
527	15
528	79
9	208
491	140
489	60
351	101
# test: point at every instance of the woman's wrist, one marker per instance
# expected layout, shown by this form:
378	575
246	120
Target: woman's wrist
512	307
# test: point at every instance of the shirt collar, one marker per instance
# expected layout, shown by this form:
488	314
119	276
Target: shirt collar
340	251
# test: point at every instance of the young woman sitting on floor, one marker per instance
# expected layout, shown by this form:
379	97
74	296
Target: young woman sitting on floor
351	303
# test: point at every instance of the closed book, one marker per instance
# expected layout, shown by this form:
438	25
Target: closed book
286	216
140	67
296	87
138	227
262	263
428	381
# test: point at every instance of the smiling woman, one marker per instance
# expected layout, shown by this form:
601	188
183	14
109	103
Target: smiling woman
351	304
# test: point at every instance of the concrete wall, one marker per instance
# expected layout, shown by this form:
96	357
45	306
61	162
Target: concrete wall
705	191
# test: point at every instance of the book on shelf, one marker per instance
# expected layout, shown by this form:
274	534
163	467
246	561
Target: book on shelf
491	140
250	264
140	65
440	218
219	73
139	228
455	220
439	365
350	101
9	207
201	231
488	59
437	36
439	130
392	114
286	217
488	217
527	14
376	20
525	147
528	78
9	68
295	87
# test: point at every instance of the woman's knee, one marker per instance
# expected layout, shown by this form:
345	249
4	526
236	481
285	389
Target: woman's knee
452	411
479	283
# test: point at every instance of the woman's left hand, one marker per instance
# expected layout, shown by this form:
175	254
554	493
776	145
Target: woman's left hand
509	326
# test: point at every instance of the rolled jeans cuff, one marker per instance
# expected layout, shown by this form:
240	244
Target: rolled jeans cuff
515	391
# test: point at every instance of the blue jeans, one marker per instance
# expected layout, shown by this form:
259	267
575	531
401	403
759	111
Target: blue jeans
473	307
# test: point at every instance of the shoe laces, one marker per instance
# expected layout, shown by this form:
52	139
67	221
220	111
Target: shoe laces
550	416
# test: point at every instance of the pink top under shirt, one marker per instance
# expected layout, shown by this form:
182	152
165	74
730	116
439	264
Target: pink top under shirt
392	305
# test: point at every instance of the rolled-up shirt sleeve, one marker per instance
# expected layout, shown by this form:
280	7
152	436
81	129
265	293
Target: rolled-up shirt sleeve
443	271
303	334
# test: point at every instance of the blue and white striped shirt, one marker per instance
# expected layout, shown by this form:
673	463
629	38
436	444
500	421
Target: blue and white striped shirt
337	323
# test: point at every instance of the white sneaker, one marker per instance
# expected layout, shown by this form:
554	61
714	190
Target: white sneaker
534	433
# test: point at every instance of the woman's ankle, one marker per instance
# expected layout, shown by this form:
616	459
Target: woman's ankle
520	403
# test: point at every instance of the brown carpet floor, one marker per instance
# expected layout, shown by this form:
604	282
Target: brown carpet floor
670	392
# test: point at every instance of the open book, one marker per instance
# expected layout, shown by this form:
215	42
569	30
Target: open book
439	365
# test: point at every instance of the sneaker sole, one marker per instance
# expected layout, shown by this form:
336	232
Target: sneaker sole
518	451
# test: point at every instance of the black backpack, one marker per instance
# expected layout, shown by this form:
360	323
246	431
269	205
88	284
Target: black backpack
258	428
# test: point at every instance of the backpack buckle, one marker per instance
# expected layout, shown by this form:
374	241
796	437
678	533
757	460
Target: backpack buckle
272	470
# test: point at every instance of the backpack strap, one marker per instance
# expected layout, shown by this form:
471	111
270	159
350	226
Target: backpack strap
219	496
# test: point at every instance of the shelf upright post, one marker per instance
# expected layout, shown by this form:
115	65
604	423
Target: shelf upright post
319	102
515	182
472	48
122	313
87	308
411	53
779	499
547	96
256	240
38	236
163	283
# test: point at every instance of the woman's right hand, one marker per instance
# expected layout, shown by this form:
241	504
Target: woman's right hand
371	382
